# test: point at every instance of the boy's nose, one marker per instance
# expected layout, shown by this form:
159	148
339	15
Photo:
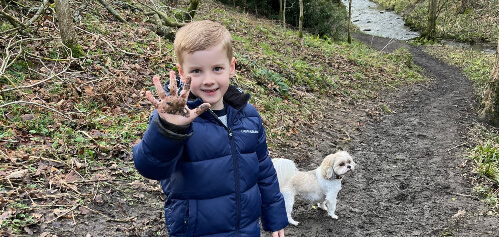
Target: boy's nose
208	79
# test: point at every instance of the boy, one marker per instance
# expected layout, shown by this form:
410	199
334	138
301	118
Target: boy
210	152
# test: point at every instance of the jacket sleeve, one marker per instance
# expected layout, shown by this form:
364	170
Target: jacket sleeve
274	215
156	156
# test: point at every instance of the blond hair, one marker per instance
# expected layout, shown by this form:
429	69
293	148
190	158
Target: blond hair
201	35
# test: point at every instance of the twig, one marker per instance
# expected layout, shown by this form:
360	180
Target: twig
70	210
12	20
33	103
452	148
42	81
13	84
389	42
39	12
462	195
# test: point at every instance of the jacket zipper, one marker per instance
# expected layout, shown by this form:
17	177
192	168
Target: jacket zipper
236	170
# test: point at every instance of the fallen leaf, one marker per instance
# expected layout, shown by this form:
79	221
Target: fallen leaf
89	90
84	210
72	177
459	213
17	174
4	216
27	117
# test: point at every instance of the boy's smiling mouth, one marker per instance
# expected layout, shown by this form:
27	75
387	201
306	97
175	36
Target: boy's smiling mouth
210	91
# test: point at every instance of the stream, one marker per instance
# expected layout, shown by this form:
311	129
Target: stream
373	19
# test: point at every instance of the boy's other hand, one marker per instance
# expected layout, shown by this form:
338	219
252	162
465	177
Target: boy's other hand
279	233
173	108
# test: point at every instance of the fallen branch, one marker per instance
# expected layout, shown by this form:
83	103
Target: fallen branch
33	103
164	17
39	12
112	11
12	20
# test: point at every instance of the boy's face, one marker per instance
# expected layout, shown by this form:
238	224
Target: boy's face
210	71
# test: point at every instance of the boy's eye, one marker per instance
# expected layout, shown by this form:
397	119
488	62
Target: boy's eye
196	71
216	69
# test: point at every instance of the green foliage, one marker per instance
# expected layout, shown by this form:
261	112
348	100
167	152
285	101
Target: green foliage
402	55
265	8
474	23
486	157
321	17
19	218
275	82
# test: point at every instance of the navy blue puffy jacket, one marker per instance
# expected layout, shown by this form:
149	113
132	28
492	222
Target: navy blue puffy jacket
218	180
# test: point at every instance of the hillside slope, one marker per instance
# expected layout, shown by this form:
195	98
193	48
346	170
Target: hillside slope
69	124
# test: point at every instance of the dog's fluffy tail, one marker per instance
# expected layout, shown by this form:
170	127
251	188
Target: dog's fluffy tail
285	169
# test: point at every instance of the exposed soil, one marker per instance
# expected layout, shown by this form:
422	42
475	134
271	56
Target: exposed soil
410	180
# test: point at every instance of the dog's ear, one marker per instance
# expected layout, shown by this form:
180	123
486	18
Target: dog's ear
327	170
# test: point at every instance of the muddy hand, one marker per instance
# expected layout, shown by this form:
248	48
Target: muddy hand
173	108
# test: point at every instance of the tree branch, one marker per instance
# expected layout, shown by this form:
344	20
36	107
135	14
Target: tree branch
112	11
12	20
39	12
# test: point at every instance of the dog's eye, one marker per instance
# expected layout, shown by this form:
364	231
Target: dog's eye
342	164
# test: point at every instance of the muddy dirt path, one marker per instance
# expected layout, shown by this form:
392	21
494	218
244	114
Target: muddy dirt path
408	181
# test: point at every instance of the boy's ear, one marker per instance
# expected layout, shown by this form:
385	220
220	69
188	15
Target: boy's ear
232	67
180	71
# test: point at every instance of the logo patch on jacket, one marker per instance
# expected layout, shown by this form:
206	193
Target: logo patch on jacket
249	131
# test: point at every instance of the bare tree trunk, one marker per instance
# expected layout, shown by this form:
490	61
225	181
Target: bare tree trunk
300	24
66	26
490	102
284	14
280	10
349	20
432	20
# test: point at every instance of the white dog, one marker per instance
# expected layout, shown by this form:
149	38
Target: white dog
319	186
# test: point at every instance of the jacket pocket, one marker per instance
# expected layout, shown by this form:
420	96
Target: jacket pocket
177	216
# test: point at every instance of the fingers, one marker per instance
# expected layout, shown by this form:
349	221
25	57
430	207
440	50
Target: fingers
152	99
187	88
201	109
173	83
159	88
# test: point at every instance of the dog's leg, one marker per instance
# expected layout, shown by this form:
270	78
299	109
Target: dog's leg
289	201
331	204
322	205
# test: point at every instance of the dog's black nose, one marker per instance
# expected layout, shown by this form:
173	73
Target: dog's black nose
349	166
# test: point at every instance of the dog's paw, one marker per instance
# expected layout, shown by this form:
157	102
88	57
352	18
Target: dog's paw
293	222
334	216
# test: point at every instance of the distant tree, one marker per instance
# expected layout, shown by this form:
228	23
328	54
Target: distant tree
430	33
349	20
284	14
280	11
68	34
490	111
300	25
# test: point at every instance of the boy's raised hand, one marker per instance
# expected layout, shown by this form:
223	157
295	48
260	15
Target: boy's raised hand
173	108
